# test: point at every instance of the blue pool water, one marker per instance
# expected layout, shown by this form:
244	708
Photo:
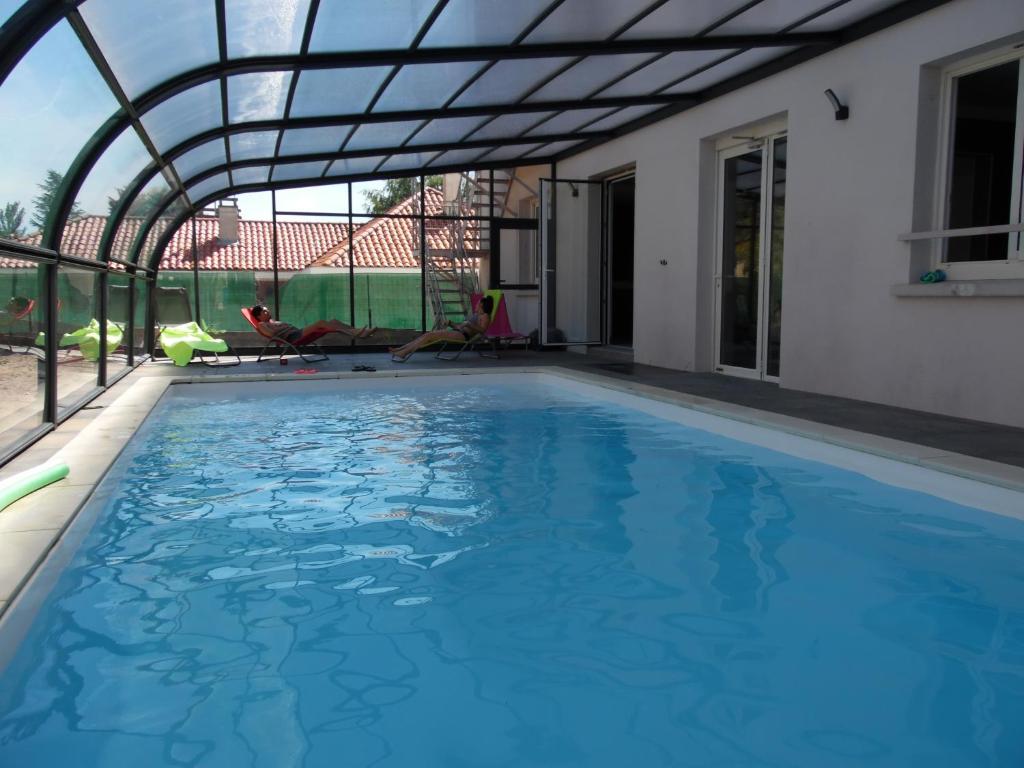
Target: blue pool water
505	574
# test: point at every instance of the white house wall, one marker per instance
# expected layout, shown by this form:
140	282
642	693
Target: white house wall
850	193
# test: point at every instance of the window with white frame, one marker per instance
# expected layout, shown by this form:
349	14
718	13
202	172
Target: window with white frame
983	170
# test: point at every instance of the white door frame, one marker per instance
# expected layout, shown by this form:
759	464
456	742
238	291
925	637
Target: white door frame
766	145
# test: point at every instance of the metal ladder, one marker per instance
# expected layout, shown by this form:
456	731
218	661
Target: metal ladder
452	275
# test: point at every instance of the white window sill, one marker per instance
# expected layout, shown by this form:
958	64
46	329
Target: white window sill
975	289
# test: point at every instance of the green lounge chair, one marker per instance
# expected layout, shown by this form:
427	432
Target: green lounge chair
179	342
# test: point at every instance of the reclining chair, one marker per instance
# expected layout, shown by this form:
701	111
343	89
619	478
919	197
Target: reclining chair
308	340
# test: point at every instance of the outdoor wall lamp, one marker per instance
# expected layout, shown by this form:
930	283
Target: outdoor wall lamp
842	111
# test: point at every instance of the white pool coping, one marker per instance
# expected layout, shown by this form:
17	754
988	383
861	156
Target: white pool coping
30	527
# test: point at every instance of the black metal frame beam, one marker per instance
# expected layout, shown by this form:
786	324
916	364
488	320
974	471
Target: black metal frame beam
485	53
875	23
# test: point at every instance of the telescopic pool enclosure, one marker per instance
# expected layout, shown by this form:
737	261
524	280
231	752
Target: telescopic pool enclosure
134	115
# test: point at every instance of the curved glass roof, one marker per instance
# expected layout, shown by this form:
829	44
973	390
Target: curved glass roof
219	96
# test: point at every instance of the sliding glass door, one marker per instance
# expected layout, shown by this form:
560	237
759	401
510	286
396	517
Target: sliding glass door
752	202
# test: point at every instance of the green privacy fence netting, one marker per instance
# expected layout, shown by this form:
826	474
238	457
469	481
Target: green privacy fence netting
387	300
392	300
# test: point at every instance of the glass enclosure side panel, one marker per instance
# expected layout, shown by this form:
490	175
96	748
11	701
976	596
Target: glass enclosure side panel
142	289
387	281
78	334
118	339
312	266
22	350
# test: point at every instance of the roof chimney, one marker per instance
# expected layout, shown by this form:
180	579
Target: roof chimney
227	220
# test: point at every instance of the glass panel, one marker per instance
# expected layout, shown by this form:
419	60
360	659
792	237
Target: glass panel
741	255
336	91
22	351
78	332
566	122
510	152
981	180
7	9
142	288
254	175
201	158
307	296
305	141
589	76
257	96
118	337
294	171
183	116
508	81
148	41
175	300
734	66
151	196
844	15
775	256
382	135
364	25
401	162
108	181
265	27
207	187
509	126
770	16
449	129
47	132
328	198
458	157
552	149
586	20
661	72
571	261
482	22
253	146
354	165
173	213
426	86
388	283
621	117
682	18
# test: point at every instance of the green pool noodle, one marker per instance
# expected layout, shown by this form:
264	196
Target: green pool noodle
24	483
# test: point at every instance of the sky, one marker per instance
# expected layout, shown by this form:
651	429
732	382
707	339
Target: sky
332	199
55	100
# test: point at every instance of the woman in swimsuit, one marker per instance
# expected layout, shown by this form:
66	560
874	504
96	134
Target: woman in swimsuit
291	334
457	331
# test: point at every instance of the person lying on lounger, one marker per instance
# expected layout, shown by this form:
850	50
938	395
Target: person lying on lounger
456	332
291	334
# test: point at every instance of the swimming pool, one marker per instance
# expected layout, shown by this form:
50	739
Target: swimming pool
510	570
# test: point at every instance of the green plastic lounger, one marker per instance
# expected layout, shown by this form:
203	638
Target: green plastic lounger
180	342
87	339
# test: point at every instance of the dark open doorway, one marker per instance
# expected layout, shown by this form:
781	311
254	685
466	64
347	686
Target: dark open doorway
621	193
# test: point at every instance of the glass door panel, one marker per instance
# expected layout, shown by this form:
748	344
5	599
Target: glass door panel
572	229
741	256
775	252
752	214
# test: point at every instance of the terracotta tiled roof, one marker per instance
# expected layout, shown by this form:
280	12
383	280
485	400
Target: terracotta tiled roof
395	242
378	243
299	243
